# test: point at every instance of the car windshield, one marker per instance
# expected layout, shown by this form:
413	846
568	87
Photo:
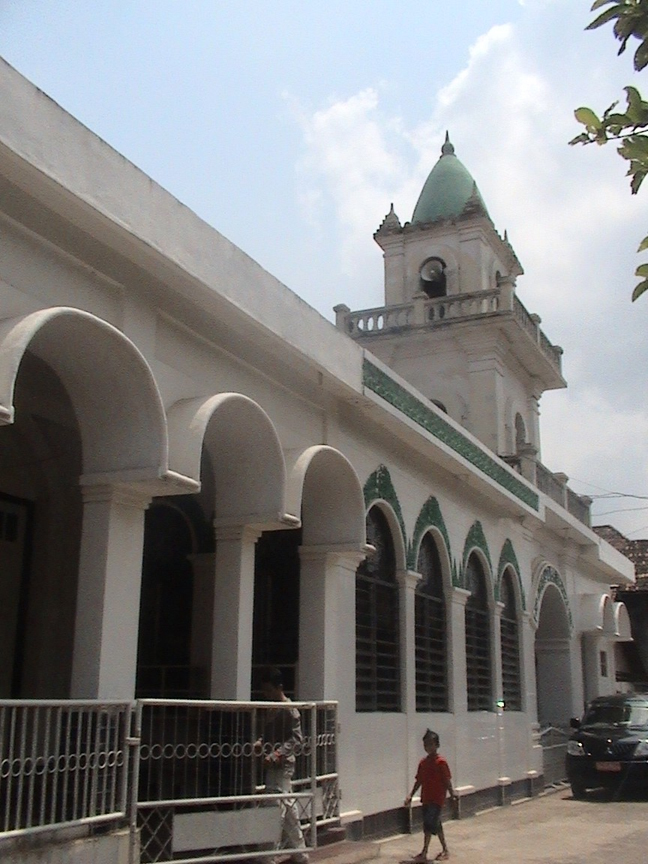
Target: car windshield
617	714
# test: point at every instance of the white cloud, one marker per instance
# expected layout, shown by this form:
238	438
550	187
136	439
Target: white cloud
569	214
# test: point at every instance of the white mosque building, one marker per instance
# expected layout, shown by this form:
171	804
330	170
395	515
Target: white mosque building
199	475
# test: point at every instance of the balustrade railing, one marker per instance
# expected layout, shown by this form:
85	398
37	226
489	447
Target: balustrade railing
424	312
558	491
578	507
548	484
188	777
62	763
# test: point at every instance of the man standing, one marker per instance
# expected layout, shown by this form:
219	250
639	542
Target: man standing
282	735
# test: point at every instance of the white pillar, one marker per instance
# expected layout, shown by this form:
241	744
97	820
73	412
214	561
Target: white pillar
458	701
496	654
528	666
327	623
327	641
108	597
408	580
231	661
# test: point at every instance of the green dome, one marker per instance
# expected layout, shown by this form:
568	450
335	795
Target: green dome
447	190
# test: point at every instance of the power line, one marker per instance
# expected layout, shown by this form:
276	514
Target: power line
621	510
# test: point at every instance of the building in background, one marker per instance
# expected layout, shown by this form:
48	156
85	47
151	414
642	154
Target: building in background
632	655
199	475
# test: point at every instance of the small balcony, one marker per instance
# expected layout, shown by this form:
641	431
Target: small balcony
499	304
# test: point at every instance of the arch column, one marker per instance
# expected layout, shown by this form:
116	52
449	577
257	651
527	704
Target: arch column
107	614
231	658
527	666
408	581
327	622
496	653
458	697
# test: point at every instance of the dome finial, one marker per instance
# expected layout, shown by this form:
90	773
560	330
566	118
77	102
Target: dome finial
447	149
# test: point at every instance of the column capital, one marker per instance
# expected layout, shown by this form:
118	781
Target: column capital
242	533
348	556
459	595
409	579
124	495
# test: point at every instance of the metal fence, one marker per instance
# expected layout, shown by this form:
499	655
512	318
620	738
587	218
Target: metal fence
186	776
62	763
554	749
200	789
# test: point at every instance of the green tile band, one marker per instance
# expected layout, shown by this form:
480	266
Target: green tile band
391	391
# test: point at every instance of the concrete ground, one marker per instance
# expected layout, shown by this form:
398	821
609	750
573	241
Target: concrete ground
552	829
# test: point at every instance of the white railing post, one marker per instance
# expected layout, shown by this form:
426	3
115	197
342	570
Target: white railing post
313	777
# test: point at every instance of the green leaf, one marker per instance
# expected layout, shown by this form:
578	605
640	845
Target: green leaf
598	3
641	57
583	138
587	117
643	245
640	289
635	104
642	270
637	180
606	16
622	120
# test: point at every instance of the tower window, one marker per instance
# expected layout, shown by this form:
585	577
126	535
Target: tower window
433	278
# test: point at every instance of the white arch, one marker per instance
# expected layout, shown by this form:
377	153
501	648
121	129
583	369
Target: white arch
326	490
244	449
111	386
444	556
596	614
622	629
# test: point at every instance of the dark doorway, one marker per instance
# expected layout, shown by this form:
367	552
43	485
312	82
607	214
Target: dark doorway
15	543
276	606
163	667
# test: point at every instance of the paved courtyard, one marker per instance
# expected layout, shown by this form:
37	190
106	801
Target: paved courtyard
554	829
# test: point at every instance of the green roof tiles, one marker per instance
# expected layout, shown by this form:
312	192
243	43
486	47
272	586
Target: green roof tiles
448	190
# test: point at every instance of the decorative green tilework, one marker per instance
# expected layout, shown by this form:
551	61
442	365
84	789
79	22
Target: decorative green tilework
508	557
550	576
429	517
379	487
384	386
476	539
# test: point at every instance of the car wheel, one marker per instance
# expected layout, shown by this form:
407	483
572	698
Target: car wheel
578	790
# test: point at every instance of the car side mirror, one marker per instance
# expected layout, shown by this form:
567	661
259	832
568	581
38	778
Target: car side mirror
575	723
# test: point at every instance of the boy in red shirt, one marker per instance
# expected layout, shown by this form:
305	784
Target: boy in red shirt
434	778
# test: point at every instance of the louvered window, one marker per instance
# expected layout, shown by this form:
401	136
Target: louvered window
478	654
430	632
511	679
377	631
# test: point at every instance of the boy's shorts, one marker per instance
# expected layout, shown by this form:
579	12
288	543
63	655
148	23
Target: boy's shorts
431	818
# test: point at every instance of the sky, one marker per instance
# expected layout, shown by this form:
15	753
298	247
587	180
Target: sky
290	126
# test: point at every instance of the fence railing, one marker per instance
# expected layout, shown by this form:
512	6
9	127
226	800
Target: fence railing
188	777
201	792
62	763
554	749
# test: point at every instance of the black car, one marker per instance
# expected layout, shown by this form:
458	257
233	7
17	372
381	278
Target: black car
609	747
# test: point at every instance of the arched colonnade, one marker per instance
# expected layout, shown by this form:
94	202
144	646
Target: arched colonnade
97	473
